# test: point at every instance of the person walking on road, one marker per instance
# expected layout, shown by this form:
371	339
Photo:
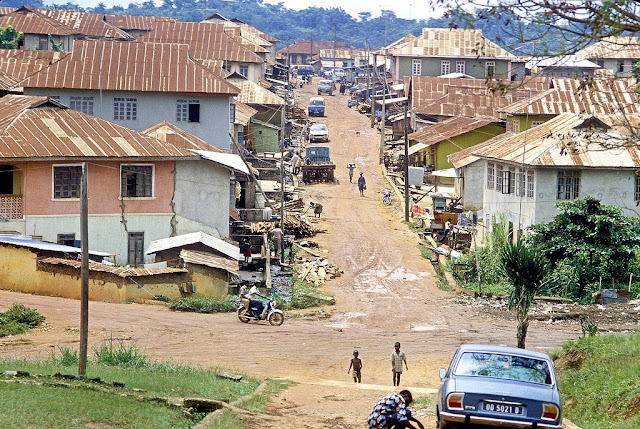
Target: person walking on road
362	185
396	364
351	166
276	236
392	412
356	363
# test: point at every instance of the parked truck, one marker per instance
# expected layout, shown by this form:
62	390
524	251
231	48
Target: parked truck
317	166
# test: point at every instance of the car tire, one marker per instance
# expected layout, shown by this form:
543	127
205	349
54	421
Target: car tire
441	424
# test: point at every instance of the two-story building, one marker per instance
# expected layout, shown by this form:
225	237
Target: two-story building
616	54
441	51
137	85
140	188
304	51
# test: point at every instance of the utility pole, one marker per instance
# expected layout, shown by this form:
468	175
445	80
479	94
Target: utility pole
311	51
406	166
334	49
84	273
283	123
383	119
371	88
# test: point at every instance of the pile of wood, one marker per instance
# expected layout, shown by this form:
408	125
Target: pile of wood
295	205
318	271
297	113
296	225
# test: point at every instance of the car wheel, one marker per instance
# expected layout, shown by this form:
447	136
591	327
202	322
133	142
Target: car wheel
441	424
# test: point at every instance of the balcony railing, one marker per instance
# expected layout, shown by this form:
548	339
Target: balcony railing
10	207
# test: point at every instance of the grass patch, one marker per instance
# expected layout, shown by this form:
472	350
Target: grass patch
258	403
18	319
425	403
305	295
80	403
204	305
426	252
411	226
226	420
599	381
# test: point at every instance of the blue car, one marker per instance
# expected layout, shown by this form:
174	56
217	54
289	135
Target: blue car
498	387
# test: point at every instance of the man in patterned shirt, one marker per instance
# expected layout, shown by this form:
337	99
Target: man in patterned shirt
392	412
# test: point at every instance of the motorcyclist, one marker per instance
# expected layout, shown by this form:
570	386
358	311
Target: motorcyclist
251	300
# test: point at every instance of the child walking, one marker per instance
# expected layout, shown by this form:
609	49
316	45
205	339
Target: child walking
356	363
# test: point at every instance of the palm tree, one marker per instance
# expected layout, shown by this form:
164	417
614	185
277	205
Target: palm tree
526	268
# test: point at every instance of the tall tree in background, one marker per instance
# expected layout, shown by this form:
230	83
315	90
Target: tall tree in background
9	38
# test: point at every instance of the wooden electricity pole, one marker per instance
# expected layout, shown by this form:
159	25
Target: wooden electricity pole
372	105
406	166
84	273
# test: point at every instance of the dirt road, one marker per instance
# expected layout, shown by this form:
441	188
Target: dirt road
388	293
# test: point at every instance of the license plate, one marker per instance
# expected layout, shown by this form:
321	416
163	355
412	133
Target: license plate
502	408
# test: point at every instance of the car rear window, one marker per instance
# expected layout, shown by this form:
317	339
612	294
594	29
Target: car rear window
316	103
509	367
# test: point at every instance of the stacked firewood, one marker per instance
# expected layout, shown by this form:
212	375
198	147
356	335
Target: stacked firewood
295	225
295	205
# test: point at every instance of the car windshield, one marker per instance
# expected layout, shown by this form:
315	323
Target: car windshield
510	367
318	128
315	103
325	82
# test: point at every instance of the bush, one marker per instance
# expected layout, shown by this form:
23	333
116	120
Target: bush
11	327
21	314
120	355
203	305
68	357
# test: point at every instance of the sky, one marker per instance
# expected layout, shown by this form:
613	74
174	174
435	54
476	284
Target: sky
408	9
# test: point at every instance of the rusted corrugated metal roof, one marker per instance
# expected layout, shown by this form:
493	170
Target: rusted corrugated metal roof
201	258
135	22
32	21
338	53
33	127
249	40
246	28
427	90
441	131
7	81
568	140
244	113
252	93
166	132
598	96
6	10
622	47
130	66
310	47
118	271
85	23
207	41
451	42
33	54
21	63
466	157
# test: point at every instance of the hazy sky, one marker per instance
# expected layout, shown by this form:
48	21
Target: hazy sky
414	9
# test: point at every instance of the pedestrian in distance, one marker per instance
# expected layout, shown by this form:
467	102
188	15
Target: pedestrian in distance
392	412
362	185
351	166
356	363
276	236
447	229
397	357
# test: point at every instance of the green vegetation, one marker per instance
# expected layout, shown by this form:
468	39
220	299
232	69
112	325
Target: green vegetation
9	38
304	295
203	305
258	403
101	403
19	319
599	381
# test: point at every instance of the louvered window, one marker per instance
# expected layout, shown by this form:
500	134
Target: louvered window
416	67
66	181
445	67
490	175
530	186
136	181
82	104
188	111
568	185
125	109
461	67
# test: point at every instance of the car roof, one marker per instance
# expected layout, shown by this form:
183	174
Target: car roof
316	99
502	349
318	126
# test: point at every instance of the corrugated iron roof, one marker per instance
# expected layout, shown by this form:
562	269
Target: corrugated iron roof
21	63
31	21
253	93
568	140
247	39
622	47
28	242
427	92
34	127
166	132
201	258
244	113
87	24
118	271
445	130
135	22
466	157
597	96
338	53
206	40
451	42
180	241
5	10
7	81
310	47
130	66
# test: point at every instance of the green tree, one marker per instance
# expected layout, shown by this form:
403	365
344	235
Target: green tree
9	38
588	242
526	268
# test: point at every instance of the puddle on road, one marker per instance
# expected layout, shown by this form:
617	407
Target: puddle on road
342	320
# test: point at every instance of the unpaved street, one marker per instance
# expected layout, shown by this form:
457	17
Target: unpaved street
388	293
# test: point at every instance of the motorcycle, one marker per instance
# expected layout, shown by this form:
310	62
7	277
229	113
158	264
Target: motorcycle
386	199
257	312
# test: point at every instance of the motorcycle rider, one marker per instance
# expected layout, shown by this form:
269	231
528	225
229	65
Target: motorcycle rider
251	300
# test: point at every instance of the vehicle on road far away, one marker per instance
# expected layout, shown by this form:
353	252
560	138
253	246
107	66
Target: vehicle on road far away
499	387
318	133
325	86
316	106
